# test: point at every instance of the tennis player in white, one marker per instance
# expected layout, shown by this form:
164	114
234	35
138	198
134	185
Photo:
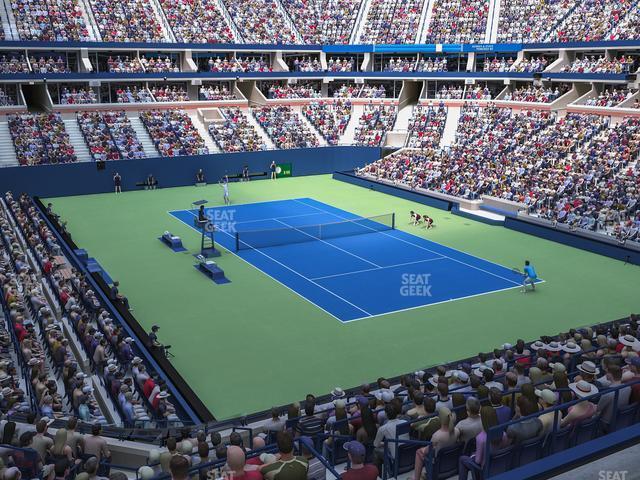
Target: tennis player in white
225	187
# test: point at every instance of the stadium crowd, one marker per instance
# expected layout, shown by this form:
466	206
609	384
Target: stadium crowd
40	138
51	306
135	94
14	64
169	93
530	20
329	118
601	64
437	64
577	170
260	21
458	21
547	395
77	96
609	98
323	22
536	94
173	133
110	136
124	65
159	64
450	92
306	64
48	65
285	127
392	22
374	123
197	21
533	64
50	20
236	133
127	21
400	64
6	99
478	93
216	92
426	126
291	90
591	20
340	64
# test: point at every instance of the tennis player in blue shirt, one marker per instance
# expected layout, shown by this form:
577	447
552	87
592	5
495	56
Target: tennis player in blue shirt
530	276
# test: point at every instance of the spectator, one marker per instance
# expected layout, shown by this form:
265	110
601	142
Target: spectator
476	462
179	467
472	425
95	445
235	468
287	466
607	404
526	429
358	470
445	436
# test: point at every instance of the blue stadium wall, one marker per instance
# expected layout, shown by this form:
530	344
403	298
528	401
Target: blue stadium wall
85	178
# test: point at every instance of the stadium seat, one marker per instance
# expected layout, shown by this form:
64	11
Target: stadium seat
624	417
529	451
586	431
501	460
558	441
445	463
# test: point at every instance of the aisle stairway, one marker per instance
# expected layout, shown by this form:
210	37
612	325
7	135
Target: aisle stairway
450	128
77	140
204	133
143	136
7	151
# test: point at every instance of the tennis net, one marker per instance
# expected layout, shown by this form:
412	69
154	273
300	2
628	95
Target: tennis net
253	239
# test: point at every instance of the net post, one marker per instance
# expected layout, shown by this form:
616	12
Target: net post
393	221
237	241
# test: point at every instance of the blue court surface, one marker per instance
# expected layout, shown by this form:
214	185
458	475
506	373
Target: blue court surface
349	267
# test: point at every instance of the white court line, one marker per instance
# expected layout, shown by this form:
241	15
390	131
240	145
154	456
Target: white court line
426	249
288	268
236	204
369	315
381	268
434	303
326	243
257	220
288	216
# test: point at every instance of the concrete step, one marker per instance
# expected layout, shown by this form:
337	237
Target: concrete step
77	140
258	128
204	133
7	151
305	121
450	128
350	131
143	136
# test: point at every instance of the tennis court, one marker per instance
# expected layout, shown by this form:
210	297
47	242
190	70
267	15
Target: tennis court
352	268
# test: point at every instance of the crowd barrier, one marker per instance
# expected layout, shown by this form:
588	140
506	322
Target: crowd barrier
628	252
85	178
